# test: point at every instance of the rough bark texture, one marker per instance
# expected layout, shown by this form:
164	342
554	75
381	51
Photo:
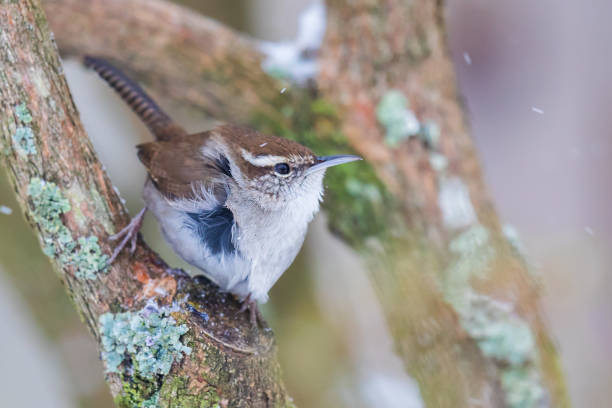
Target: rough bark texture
457	293
456	289
68	199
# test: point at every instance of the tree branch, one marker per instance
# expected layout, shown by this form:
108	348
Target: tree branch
166	340
456	289
458	296
204	64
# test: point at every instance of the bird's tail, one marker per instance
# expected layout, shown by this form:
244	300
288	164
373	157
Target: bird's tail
158	122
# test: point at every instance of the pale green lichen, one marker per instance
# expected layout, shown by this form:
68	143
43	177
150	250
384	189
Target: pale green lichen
399	121
60	244
438	161
470	242
505	337
523	388
500	333
151	402
89	259
360	189
48	205
455	203
23	114
23	138
48	201
150	338
472	254
430	134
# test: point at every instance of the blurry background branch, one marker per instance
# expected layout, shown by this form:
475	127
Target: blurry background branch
457	295
146	317
184	58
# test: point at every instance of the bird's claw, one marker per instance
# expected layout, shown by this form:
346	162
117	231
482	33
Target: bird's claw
129	234
255	316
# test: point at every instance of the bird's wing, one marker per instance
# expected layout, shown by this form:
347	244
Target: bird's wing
179	167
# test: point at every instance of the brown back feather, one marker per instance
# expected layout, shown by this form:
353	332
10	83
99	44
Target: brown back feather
178	166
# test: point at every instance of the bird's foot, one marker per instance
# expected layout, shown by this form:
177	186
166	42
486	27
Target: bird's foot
129	234
255	315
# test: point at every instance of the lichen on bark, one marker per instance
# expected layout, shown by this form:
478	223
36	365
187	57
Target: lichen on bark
71	204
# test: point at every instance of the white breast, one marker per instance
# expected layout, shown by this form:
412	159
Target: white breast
271	240
267	242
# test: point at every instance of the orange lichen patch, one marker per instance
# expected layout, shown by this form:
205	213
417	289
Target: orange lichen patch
163	288
155	267
140	273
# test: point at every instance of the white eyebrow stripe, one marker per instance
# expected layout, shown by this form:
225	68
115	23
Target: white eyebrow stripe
264	160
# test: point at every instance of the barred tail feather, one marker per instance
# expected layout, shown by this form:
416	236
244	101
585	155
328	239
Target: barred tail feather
158	122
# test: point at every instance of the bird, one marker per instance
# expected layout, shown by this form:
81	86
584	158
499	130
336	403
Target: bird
231	201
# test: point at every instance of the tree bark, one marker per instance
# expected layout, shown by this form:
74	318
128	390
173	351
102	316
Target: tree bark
457	294
167	340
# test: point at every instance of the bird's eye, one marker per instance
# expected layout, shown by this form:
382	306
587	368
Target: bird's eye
282	169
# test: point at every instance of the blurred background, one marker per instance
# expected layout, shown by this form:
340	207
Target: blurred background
535	79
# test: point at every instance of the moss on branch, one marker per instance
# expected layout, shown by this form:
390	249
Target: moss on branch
70	202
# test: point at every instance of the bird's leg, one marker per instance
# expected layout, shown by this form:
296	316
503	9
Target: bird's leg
254	314
129	234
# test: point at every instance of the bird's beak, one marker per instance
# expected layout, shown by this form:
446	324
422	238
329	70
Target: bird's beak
324	162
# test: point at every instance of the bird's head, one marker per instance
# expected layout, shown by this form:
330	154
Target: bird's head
274	171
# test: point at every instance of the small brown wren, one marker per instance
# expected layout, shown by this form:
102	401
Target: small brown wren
231	201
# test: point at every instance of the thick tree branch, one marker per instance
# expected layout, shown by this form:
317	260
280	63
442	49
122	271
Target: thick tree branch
457	294
185	342
204	64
